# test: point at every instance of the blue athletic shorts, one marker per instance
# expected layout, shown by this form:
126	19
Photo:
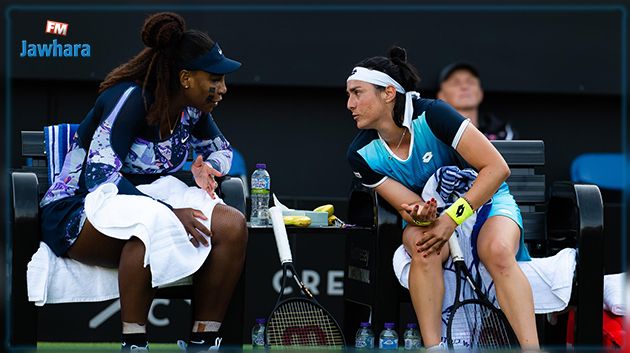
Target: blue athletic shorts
503	204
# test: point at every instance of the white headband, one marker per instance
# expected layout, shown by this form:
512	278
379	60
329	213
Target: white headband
382	79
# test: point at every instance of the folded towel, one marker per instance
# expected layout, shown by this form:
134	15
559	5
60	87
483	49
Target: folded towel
170	255
551	279
53	279
613	293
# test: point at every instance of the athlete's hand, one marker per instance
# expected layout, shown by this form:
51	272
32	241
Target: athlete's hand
421	212
197	232
436	235
204	175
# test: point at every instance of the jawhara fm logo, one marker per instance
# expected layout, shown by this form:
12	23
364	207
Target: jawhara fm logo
54	49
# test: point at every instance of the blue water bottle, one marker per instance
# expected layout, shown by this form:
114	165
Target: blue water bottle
388	338
412	337
258	334
365	337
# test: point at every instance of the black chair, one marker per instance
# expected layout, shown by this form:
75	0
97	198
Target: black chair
570	215
28	185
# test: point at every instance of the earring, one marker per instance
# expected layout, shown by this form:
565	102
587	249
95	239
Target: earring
186	87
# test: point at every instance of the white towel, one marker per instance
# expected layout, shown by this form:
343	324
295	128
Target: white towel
550	277
53	279
170	255
613	293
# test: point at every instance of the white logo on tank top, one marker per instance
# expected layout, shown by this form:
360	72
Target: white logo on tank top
427	157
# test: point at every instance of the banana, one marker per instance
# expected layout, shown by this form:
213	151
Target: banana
330	209
331	220
298	221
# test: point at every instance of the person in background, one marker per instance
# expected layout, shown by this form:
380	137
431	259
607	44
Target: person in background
460	86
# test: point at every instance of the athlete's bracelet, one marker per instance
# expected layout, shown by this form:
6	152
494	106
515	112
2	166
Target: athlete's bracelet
421	223
460	210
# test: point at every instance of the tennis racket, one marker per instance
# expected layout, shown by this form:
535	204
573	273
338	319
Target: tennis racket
475	323
297	320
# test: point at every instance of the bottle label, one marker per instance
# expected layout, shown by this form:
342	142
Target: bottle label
364	342
259	340
259	191
412	343
388	343
260	183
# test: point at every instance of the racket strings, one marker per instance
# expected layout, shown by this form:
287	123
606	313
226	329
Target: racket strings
301	323
478	326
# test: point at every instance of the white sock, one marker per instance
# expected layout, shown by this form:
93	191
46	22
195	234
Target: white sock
132	327
206	326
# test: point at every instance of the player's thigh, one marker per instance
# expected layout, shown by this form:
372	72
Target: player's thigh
95	248
499	240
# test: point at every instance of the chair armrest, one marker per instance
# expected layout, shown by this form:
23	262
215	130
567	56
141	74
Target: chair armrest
233	194
367	209
590	277
362	207
230	189
23	242
576	218
25	202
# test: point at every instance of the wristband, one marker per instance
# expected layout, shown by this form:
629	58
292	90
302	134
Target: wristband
422	223
460	211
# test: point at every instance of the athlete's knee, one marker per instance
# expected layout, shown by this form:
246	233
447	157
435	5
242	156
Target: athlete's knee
426	264
498	255
133	247
229	226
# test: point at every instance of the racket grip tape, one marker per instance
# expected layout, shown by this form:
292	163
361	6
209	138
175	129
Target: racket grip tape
280	233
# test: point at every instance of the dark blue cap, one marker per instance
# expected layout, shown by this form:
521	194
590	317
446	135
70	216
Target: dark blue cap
448	70
213	62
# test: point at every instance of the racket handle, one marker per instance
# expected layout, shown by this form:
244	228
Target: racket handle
280	232
456	251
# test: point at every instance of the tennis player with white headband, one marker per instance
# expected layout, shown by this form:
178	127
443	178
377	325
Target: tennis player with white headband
403	140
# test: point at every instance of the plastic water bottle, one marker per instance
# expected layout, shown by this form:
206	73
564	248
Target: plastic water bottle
261	184
258	334
412	337
388	338
364	337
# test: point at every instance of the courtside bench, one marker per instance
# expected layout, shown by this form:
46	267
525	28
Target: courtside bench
29	183
567	215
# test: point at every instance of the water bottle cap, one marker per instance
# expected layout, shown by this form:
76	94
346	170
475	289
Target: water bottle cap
365	324
389	325
412	325
261	166
260	320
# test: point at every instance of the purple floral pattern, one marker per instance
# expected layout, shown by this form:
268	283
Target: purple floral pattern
103	165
